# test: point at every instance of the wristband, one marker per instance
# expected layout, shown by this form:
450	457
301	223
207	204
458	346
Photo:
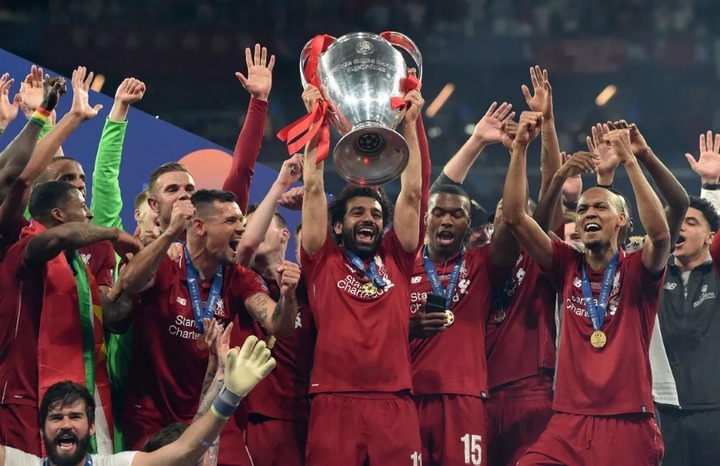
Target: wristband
225	404
706	186
606	186
40	116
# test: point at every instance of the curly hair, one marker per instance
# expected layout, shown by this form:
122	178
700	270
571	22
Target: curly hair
338	207
708	211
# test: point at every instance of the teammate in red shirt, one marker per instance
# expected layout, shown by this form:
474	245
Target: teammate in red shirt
279	409
603	399
61	225
449	368
361	411
169	358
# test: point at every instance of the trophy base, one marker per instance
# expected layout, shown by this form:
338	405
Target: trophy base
371	155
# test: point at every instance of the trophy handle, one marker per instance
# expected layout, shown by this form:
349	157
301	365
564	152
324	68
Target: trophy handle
307	51
401	41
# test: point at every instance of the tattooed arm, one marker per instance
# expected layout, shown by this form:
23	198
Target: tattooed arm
277	318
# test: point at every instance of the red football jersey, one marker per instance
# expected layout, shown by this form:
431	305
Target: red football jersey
362	338
100	259
284	393
615	379
453	362
168	368
21	298
528	317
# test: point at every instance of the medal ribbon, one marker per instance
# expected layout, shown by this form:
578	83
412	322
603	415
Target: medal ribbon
372	274
435	280
597	313
194	288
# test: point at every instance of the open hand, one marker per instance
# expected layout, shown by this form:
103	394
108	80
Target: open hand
708	164
259	75
8	110
31	90
247	366
541	100
619	139
81	81
490	129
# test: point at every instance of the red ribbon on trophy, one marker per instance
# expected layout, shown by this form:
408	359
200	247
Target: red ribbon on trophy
297	134
406	85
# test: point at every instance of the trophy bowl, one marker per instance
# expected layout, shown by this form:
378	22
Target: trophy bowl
358	75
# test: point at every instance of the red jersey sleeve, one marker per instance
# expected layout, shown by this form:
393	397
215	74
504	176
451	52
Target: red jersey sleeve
246	153
103	262
248	284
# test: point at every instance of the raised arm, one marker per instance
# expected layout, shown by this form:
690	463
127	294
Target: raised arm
278	318
541	101
290	172
247	149
528	233
489	130
668	186
657	249
8	110
708	168
139	273
246	367
406	220
80	111
15	157
314	207
106	196
70	236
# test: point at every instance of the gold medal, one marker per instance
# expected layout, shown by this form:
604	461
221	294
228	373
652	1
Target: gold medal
202	343
449	318
500	316
598	339
370	288
270	342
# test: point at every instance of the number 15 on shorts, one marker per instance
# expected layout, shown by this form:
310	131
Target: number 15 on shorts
472	445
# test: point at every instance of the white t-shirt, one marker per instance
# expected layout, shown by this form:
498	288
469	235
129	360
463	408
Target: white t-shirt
15	457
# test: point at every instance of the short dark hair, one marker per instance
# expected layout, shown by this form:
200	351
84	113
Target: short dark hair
165	436
338	207
449	189
43	176
204	198
62	394
47	196
708	211
278	216
161	170
142	198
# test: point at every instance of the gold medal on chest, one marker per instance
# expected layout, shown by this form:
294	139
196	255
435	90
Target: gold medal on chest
598	339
